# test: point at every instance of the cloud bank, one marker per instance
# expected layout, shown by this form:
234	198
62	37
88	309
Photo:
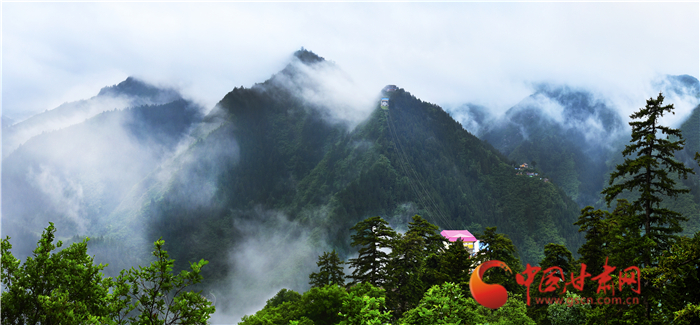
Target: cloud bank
446	53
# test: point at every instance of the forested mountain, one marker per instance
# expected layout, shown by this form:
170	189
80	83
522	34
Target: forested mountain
75	176
280	178
691	133
128	93
572	135
567	133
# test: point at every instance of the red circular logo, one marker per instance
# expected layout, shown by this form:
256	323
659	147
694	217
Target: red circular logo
488	295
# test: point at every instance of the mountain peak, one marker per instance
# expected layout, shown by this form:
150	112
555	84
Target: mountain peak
308	57
137	88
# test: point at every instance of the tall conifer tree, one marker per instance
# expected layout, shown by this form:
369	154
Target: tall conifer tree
649	174
374	236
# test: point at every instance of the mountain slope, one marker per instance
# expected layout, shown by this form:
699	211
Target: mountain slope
279	179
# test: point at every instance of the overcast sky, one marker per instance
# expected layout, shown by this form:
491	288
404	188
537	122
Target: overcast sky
444	53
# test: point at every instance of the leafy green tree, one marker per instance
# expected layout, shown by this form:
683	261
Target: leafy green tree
282	309
283	296
323	305
570	312
330	304
159	295
373	235
446	304
679	270
302	321
688	315
595	224
365	305
66	288
649	174
557	255
52	288
330	270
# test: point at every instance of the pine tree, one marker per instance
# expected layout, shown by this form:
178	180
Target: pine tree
372	235
330	271
649	174
403	281
433	241
453	264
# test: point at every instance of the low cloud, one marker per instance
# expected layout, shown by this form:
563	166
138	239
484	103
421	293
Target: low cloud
65	195
327	88
275	253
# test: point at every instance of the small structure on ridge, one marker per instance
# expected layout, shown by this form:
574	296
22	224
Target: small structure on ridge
390	89
385	103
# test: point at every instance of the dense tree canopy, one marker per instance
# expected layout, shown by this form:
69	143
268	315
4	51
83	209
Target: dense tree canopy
65	287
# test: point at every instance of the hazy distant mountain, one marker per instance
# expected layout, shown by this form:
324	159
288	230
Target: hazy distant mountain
571	135
474	118
682	86
567	133
128	93
6	122
76	175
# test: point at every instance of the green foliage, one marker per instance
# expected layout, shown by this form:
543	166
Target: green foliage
642	231
433	242
555	255
365	305
331	271
372	235
679	270
330	304
446	304
66	288
158	294
52	288
404	285
283	296
450	265
568	313
282	309
688	315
